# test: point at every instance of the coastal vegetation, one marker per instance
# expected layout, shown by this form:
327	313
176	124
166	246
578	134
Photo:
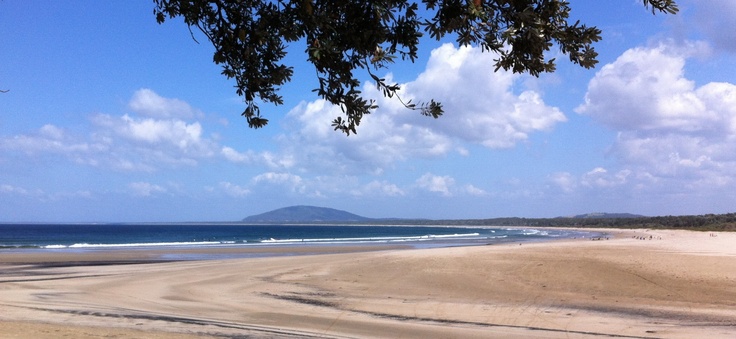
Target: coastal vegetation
322	215
706	222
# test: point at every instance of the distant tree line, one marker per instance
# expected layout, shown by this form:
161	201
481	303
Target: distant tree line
707	222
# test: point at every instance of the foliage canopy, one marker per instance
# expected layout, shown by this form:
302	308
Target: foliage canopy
251	36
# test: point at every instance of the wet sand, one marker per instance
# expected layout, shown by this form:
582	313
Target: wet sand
672	284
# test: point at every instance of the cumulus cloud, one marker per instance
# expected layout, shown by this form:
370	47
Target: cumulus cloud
595	180
147	144
127	143
481	106
475	191
51	132
291	181
599	177
310	187
436	183
145	189
272	160
148	103
445	185
185	137
322	186
645	90
378	188
234	190
379	143
564	181
50	139
237	157
669	129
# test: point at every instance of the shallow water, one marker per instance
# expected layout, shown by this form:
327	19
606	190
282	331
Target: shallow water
90	237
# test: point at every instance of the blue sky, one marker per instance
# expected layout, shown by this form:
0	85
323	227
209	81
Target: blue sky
112	117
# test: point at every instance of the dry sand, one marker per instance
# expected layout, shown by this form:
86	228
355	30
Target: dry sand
677	284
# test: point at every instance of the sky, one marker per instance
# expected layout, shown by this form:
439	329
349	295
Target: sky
111	117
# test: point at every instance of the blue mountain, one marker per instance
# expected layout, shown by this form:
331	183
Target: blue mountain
308	214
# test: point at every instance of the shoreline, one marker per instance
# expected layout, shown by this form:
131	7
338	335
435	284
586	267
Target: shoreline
175	236
677	285
142	253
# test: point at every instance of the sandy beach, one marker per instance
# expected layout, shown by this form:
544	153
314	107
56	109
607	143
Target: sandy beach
637	284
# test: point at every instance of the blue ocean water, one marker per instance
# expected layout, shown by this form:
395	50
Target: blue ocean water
83	236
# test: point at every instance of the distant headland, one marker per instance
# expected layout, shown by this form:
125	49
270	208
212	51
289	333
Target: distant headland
303	213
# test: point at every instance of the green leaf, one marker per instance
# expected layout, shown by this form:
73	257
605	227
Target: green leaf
251	39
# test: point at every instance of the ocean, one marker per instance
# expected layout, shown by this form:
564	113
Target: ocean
132	236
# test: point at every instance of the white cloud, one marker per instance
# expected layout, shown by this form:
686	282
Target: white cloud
145	189
671	132
475	191
291	181
237	157
10	189
312	187
147	144
436	183
565	181
645	90
378	144
234	190
481	107
594	180
146	102
378	188
275	161
599	177
177	133
674	137
53	141
445	185
121	142
321	186
51	132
